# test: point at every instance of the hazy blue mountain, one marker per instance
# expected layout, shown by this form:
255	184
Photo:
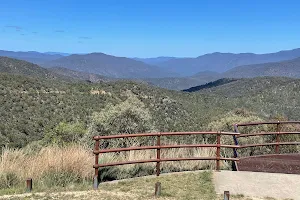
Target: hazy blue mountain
180	83
107	65
154	61
57	53
94	78
289	68
30	56
221	62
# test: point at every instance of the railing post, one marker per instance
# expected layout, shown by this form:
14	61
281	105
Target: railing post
218	151
277	138
29	185
157	189
236	130
158	155
95	179
226	195
235	154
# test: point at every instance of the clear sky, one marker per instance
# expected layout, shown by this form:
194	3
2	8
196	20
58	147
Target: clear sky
149	28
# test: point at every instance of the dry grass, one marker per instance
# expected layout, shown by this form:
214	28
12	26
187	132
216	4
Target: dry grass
62	166
75	159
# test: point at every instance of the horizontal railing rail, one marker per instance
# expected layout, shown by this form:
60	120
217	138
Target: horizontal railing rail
262	123
161	134
277	134
158	147
267	133
268	144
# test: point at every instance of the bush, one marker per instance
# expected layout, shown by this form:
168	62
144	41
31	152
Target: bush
130	116
65	133
60	178
9	180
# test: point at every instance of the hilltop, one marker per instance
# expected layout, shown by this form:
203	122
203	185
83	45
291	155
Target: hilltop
289	68
107	65
221	62
21	67
30	56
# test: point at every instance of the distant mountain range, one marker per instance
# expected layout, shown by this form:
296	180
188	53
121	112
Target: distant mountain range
221	62
57	53
97	67
121	67
154	61
107	65
21	67
30	56
94	78
289	68
180	83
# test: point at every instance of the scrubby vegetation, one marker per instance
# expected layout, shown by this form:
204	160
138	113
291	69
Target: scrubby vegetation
46	126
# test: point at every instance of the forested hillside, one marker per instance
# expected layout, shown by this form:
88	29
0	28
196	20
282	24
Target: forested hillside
32	107
80	75
35	109
21	67
288	68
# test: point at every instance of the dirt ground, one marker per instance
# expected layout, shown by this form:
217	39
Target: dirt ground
285	163
258	184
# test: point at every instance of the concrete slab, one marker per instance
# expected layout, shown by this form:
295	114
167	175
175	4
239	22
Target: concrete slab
258	184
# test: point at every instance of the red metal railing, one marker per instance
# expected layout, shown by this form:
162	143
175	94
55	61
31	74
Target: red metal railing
277	133
217	145
158	148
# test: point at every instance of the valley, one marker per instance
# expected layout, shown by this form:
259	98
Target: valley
98	96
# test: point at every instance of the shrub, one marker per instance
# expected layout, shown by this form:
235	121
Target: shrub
130	116
8	180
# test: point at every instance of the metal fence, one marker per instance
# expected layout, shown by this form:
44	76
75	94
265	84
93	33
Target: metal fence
277	135
218	145
160	146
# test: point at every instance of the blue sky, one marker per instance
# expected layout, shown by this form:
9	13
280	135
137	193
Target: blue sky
142	28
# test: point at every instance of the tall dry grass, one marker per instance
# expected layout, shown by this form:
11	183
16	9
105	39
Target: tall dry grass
77	161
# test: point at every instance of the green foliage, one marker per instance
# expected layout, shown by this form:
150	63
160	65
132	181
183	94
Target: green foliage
130	116
60	178
8	180
226	122
33	109
65	133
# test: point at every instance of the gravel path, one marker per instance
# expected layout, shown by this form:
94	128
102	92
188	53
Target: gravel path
258	184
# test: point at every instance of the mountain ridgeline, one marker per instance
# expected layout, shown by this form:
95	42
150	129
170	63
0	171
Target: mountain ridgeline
36	102
21	67
97	67
107	65
289	68
221	62
31	56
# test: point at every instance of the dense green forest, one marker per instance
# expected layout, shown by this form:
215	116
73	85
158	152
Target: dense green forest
35	109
